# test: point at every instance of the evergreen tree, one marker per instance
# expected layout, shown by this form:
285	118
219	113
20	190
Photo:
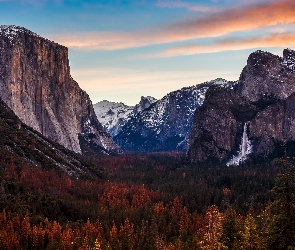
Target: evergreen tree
251	236
281	233
230	230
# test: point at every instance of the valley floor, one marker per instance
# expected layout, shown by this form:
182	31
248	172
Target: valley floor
154	201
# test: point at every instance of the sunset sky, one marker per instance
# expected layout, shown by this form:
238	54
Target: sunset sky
120	50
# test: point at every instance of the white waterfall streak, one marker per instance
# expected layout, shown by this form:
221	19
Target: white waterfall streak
245	149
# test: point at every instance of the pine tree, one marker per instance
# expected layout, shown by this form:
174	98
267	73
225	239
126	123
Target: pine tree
230	230
281	232
251	236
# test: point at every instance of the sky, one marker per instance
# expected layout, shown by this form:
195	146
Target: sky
120	50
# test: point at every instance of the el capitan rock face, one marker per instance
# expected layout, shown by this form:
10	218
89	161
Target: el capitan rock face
21	144
35	82
260	110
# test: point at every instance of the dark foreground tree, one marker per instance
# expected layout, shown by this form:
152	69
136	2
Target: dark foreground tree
281	233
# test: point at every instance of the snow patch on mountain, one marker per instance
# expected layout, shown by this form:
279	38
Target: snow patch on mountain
114	115
13	31
288	59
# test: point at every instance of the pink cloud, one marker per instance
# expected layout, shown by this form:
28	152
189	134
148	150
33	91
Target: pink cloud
273	40
219	24
185	5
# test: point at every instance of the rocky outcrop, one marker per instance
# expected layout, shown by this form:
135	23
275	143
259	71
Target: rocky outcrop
166	124
260	110
273	125
144	103
267	75
218	125
35	82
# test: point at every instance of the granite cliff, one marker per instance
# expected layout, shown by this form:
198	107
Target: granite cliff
35	82
267	75
254	120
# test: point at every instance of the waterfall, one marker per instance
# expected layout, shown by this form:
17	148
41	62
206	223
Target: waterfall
245	149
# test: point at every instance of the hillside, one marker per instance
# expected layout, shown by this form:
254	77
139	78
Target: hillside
21	144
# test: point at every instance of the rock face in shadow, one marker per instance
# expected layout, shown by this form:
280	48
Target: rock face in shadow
35	82
263	99
218	123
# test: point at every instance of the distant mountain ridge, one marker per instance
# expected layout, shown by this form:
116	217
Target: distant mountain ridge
35	82
114	115
166	124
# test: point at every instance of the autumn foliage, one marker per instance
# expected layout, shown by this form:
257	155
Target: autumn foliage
130	209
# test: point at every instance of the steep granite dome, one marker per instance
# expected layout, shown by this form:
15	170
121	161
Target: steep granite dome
166	124
35	83
256	118
144	103
113	115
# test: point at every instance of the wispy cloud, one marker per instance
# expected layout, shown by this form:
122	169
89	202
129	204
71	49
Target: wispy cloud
273	40
37	3
226	22
185	5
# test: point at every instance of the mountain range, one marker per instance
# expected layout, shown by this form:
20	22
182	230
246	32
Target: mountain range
218	121
160	125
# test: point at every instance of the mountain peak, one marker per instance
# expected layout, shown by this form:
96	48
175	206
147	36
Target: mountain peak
144	103
267	75
13	32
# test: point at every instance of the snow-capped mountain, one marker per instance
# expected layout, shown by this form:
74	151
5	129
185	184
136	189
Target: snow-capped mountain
166	124
144	103
114	115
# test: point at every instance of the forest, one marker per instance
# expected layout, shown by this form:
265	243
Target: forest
153	201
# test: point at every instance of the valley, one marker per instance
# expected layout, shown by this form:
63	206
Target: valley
210	166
